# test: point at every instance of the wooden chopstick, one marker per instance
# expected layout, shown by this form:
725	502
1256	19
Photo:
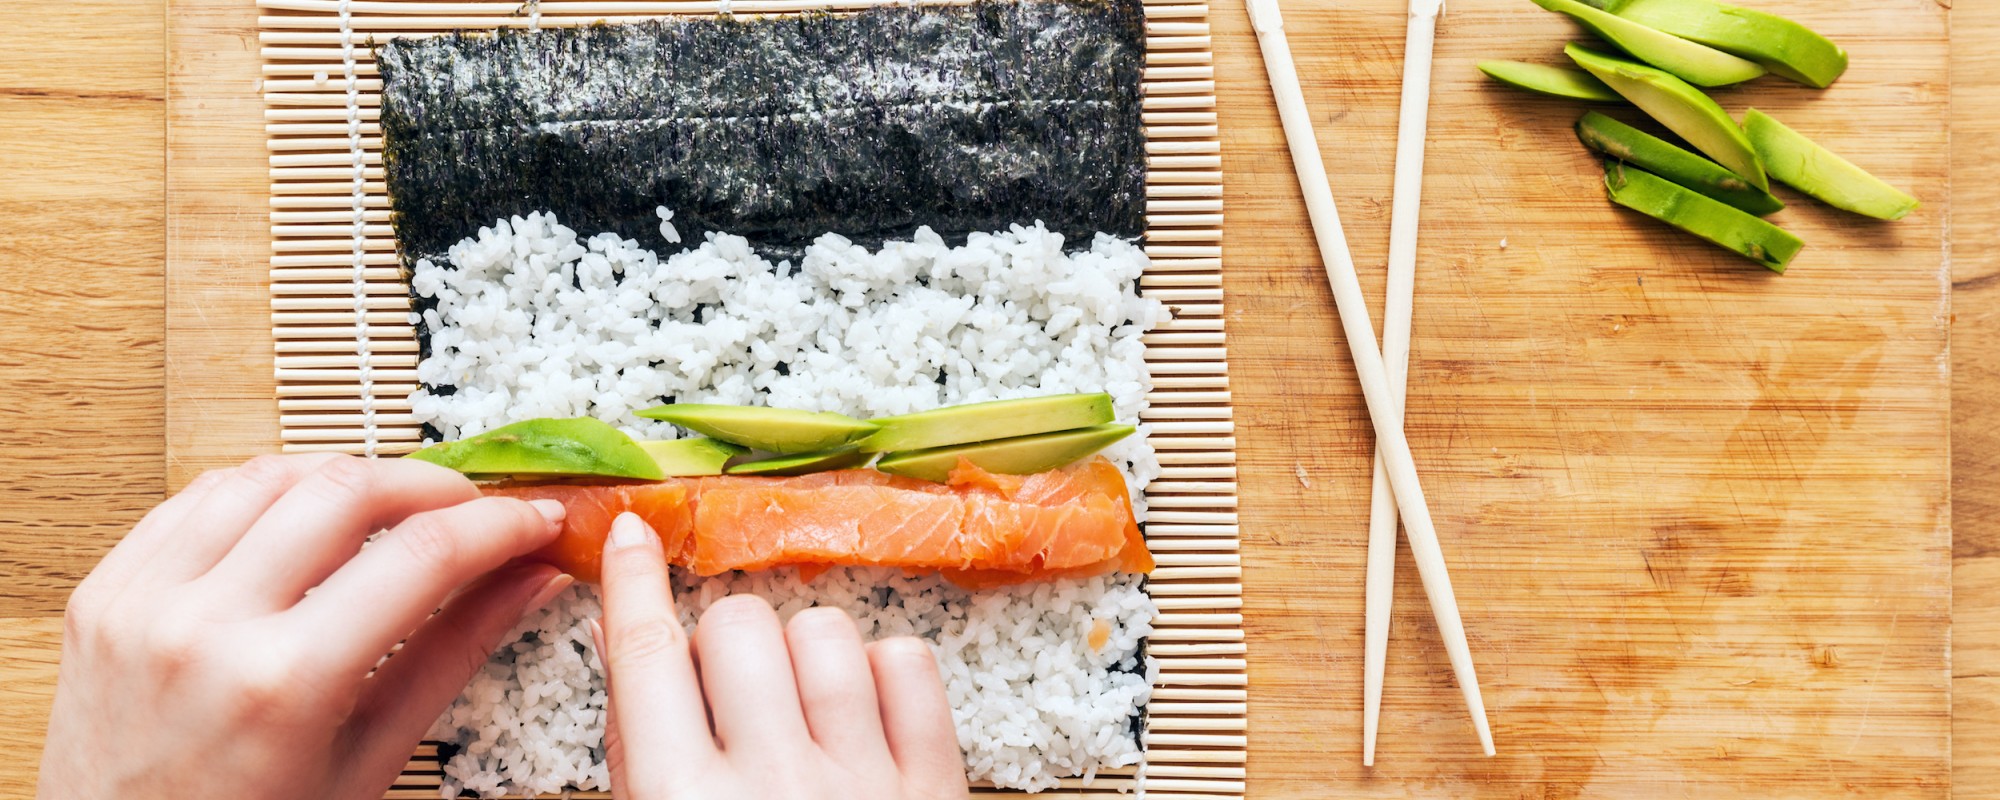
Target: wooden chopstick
1400	465
1380	585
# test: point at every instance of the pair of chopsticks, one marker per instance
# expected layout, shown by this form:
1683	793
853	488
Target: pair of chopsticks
1383	373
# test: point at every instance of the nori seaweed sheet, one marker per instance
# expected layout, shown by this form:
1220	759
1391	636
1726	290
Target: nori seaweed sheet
777	129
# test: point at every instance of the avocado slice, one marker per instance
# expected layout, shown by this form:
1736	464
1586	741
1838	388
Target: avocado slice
681	458
1680	107
846	456
1709	219
1653	154
776	430
576	446
1695	63
1551	81
1788	49
1804	165
997	419
1021	455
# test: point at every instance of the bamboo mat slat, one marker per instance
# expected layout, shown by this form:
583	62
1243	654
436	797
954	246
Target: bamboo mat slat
1194	727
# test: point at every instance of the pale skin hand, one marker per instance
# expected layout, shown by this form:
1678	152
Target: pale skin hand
195	664
802	711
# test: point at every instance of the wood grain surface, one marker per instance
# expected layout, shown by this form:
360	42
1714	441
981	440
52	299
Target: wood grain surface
81	352
1975	395
80	417
220	405
1696	513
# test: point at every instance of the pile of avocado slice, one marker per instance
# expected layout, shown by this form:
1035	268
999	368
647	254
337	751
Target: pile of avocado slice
1667	49
1019	437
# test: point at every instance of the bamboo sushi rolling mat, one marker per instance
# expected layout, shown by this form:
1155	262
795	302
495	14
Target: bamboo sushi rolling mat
1732	584
347	352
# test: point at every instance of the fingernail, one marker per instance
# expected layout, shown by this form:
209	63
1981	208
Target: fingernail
628	530
554	586
552	511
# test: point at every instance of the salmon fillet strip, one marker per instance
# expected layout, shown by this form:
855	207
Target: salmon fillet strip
979	529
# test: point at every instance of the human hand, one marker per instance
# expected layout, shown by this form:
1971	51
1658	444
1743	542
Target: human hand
799	711
195	664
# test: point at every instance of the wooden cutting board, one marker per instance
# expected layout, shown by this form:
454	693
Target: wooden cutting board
1697	514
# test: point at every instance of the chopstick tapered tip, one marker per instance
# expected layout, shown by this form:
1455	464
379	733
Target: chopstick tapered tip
1379	588
1368	742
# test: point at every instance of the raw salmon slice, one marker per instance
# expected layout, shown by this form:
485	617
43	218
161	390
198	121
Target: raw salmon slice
766	526
1063	487
579	549
979	528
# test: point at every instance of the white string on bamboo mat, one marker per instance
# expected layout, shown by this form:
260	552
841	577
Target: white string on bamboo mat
365	371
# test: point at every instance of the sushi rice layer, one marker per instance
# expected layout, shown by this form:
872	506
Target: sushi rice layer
530	320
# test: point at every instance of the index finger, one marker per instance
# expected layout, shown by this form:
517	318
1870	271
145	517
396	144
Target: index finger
373	601
318	525
654	689
223	513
